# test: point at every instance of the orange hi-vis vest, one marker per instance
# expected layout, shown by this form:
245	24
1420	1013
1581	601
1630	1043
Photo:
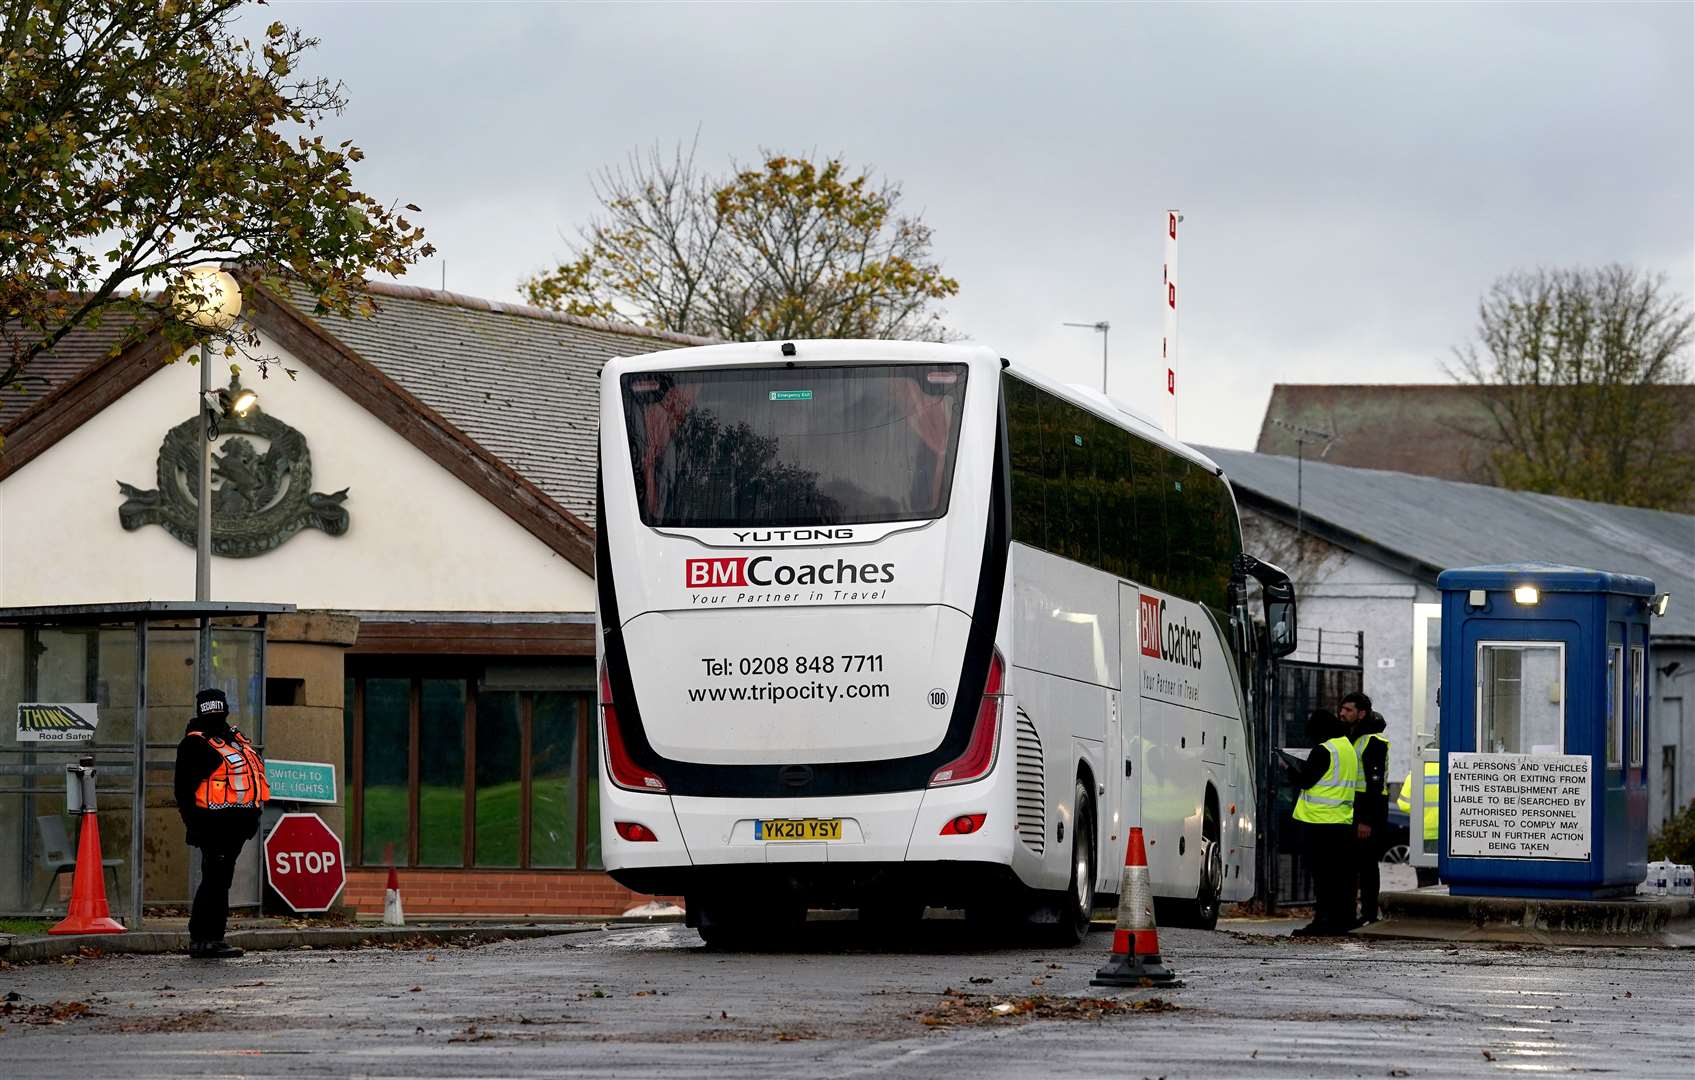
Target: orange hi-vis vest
239	780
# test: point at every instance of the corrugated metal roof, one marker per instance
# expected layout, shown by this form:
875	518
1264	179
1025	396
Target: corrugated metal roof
520	381
1445	524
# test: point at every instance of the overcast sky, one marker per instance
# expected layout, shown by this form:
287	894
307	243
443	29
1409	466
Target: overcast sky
1352	177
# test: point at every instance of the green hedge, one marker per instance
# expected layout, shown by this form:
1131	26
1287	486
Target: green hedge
1675	840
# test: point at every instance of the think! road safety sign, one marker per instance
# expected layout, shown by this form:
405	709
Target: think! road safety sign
57	722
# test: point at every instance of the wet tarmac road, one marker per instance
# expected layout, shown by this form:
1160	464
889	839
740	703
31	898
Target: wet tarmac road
651	1002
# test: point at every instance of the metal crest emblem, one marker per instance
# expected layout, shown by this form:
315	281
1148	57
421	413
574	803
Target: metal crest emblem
261	487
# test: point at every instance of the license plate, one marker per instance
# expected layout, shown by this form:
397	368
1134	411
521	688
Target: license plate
797	829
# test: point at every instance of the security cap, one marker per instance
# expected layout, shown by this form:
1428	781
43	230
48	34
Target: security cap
211	703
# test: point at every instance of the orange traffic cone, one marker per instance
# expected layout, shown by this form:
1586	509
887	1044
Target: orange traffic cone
88	913
1135	943
393	915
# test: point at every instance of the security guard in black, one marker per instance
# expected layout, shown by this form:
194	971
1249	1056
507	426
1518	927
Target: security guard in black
220	825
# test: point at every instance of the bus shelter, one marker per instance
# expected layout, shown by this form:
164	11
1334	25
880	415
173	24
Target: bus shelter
115	682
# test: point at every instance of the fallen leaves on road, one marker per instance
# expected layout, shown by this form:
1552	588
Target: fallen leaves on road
471	1034
196	1020
960	1008
58	1012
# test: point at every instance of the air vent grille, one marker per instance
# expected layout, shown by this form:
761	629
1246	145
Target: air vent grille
1032	789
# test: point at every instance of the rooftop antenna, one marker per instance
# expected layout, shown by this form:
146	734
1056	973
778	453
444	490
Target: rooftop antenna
444	275
1100	328
1304	435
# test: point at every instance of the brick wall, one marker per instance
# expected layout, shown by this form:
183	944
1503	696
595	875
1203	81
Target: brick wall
493	892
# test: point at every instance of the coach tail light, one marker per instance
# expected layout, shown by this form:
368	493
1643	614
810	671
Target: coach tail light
979	756
624	772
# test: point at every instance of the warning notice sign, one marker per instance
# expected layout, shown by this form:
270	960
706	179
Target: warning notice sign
1518	806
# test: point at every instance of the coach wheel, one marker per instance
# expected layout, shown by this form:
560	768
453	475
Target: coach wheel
1077	905
1201	913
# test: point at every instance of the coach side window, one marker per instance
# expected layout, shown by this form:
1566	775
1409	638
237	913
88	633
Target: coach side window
1024	446
1148	552
1116	498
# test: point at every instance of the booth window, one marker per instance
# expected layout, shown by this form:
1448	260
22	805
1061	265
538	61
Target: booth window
1615	706
1638	695
1520	697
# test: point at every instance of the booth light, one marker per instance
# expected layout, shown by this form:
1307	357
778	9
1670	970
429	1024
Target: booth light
1526	594
1659	604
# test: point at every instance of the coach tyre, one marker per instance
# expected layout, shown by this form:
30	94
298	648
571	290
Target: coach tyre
1078	902
1201	913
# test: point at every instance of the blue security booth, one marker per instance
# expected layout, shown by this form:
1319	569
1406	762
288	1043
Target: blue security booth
1544	714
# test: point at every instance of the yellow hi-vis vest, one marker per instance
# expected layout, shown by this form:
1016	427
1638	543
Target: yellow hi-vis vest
1331	800
1432	798
1359	748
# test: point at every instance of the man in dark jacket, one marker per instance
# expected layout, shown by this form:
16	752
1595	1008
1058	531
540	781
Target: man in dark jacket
1371	804
220	789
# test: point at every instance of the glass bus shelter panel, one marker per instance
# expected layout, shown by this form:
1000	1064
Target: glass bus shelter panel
237	661
75	665
1521	698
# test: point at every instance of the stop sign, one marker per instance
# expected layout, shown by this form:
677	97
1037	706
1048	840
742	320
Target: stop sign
303	862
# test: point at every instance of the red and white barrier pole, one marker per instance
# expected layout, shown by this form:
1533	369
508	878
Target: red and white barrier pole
1168	342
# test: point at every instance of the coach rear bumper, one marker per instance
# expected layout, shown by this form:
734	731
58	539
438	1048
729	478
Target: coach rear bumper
704	839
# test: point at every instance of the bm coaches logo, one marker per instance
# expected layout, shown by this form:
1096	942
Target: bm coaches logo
1174	642
762	571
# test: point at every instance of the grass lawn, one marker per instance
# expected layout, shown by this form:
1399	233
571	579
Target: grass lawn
25	927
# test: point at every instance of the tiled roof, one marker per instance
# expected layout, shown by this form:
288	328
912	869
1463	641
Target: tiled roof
75	352
1428	430
1443	524
520	381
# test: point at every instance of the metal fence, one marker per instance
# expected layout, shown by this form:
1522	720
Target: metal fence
1326	666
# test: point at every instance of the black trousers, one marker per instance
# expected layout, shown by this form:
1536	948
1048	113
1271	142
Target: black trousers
1330	855
1368	854
210	916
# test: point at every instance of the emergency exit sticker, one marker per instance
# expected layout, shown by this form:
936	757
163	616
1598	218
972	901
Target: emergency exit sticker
791	395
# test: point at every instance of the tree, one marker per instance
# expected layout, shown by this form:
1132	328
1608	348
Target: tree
790	248
140	138
1572	367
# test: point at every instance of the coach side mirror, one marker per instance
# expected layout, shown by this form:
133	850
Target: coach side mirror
1280	626
1279	593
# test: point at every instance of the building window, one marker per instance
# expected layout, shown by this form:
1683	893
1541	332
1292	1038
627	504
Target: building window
441	772
499	777
385	779
445	773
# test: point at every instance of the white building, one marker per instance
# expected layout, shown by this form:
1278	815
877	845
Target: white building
1370	543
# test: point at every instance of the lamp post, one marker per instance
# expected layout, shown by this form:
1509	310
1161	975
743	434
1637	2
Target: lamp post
1101	328
210	302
